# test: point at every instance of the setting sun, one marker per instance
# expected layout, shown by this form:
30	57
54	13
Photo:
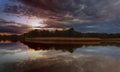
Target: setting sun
37	23
34	22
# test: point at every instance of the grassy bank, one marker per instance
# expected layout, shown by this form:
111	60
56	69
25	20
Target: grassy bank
63	40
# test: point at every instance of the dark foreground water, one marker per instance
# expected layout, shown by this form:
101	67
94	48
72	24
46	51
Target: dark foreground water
19	57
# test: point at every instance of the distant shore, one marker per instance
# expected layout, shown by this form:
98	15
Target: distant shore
66	40
69	36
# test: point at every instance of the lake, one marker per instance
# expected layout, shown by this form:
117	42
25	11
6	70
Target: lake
25	57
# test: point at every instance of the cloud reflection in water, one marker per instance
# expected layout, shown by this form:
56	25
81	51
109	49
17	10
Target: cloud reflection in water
84	59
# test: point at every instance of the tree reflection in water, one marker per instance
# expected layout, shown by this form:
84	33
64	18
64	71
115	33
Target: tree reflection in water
65	47
89	58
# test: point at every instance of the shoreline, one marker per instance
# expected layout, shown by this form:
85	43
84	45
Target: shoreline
63	40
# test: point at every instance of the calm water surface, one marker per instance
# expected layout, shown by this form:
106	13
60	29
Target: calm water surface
19	57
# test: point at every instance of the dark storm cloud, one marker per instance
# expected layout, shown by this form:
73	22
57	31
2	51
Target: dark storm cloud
71	13
75	10
12	27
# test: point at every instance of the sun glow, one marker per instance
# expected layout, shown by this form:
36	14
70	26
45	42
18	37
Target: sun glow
35	22
38	23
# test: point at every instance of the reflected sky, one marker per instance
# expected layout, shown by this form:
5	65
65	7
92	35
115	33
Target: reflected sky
11	52
25	59
18	51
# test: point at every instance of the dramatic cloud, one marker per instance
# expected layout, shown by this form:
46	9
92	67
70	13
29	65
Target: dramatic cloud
74	10
69	13
12	27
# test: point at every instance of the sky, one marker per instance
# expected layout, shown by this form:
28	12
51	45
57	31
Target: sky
99	16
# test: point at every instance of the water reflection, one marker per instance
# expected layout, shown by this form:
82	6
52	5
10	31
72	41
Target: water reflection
64	47
11	52
69	47
10	47
27	57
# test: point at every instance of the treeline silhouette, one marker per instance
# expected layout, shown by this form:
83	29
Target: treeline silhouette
57	33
